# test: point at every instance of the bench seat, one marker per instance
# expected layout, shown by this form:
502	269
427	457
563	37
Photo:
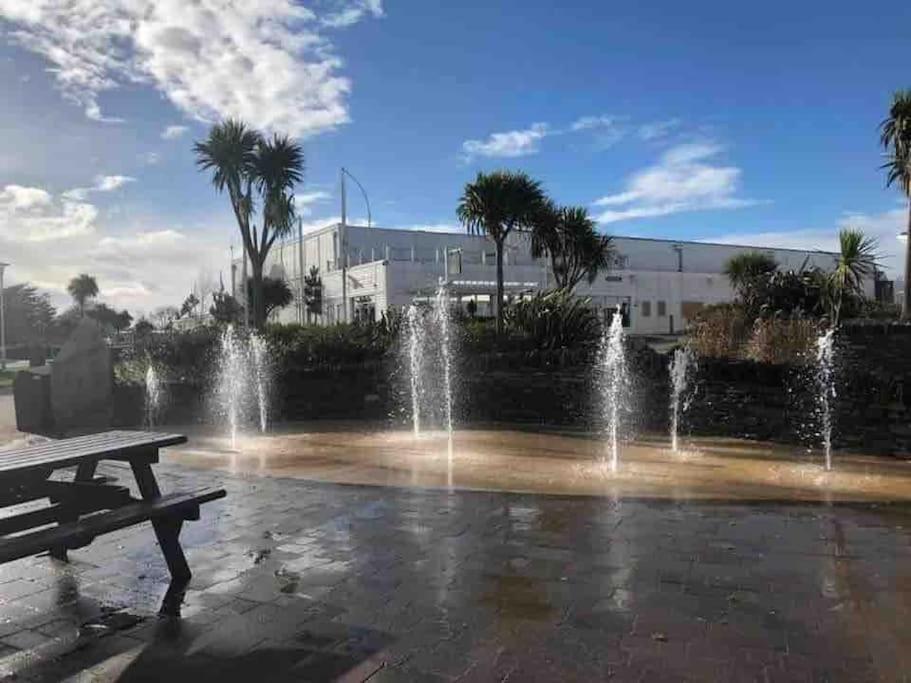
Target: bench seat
174	506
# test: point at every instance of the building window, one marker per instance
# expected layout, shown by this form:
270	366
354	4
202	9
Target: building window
662	309
645	308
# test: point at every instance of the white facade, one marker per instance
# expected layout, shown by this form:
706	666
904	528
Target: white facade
661	283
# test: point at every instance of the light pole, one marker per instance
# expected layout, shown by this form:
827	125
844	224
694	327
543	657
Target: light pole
3	267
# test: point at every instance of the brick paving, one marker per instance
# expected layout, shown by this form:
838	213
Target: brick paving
300	581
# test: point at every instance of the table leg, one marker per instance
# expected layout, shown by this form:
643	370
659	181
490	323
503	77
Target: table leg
167	531
85	471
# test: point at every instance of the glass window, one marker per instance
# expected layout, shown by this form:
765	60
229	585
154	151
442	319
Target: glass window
662	309
645	308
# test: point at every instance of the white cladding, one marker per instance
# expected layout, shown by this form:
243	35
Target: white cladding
661	283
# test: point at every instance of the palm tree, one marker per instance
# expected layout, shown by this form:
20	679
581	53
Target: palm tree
82	288
276	294
744	269
895	136
856	263
256	171
496	204
569	237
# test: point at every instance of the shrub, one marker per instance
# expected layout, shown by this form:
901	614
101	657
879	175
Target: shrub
720	331
783	340
554	320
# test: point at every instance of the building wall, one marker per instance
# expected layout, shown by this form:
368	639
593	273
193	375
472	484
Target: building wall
662	283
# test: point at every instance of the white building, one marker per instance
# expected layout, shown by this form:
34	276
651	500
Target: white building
661	283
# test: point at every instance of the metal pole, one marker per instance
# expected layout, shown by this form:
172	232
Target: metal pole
300	270
344	252
2	319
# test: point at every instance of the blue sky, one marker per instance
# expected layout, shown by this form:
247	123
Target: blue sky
742	122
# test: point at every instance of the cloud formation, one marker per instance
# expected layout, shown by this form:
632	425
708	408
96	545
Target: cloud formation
509	144
103	183
526	141
684	179
50	238
267	62
31	214
173	132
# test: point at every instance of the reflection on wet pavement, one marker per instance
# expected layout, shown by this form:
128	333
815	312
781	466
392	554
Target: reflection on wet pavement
301	580
510	460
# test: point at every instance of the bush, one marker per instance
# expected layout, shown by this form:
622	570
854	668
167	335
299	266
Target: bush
720	331
553	320
783	340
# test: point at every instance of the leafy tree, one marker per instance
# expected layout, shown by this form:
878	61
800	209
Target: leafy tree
143	327
895	136
82	288
747	272
225	308
569	237
164	316
28	312
275	293
256	172
110	318
856	263
191	302
313	292
495	205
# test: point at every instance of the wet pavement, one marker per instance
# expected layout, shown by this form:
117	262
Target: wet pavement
298	580
505	458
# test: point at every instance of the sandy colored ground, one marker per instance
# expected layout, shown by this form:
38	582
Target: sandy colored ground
507	459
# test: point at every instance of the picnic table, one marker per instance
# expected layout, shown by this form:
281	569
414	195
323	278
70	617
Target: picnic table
86	506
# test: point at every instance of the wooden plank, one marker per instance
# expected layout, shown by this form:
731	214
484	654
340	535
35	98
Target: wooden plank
69	452
111	498
174	506
91	443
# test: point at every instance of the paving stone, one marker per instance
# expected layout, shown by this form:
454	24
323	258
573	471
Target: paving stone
311	581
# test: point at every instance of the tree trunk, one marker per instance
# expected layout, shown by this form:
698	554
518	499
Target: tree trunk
906	302
259	309
499	287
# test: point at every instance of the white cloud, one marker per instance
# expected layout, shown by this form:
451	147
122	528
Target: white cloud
684	179
50	238
513	143
607	130
31	214
353	13
303	202
657	129
173	132
591	122
267	62
884	227
103	183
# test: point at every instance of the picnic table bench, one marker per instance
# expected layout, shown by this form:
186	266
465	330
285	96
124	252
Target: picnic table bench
88	506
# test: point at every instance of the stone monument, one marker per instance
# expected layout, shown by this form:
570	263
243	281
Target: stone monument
82	382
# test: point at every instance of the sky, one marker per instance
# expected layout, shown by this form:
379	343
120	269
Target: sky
750	123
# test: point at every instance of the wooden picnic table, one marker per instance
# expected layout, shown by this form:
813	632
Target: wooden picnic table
86	506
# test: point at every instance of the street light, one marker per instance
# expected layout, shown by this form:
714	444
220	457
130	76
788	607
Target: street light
3	267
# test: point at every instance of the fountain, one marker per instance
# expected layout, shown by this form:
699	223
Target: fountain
414	349
680	369
614	384
154	395
427	357
243	381
826	390
441	318
262	377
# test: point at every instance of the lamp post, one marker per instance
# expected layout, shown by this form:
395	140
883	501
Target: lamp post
3	267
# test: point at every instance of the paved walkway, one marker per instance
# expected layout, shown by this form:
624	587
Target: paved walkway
307	581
